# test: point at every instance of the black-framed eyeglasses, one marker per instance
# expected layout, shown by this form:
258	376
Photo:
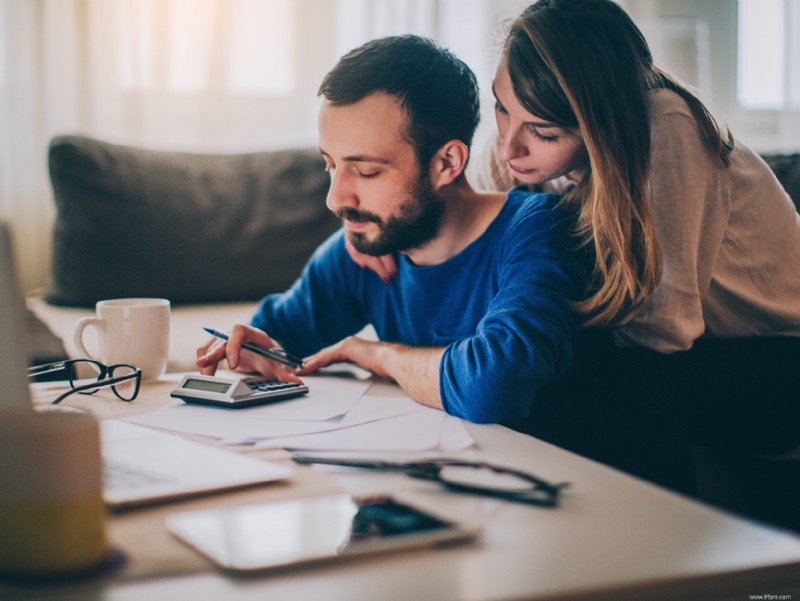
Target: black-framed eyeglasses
464	476
124	379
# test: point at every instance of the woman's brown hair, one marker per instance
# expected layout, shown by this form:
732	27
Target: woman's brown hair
583	64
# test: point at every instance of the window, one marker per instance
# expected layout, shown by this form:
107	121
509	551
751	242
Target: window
769	55
761	56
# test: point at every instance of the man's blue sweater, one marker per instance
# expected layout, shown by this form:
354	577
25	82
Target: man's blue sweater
500	307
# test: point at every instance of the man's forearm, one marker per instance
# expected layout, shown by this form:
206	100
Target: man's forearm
416	370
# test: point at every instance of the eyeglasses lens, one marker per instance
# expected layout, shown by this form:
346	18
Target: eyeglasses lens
83	372
125	390
483	478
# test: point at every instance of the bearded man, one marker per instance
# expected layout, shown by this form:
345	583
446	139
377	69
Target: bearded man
479	316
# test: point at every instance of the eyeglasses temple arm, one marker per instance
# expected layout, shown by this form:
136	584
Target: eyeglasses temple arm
38	370
364	464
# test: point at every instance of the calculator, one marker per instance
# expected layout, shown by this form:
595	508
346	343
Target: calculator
234	392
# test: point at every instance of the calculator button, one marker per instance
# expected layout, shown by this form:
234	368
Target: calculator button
270	385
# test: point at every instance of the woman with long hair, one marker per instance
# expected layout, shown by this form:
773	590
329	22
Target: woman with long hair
692	314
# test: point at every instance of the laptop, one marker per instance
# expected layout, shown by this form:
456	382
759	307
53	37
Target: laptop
144	466
141	465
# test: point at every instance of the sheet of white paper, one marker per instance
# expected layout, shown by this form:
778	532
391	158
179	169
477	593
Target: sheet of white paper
233	430
237	427
367	409
356	421
416	431
454	435
376	407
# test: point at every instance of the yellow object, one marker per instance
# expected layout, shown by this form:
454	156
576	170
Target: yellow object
51	538
52	517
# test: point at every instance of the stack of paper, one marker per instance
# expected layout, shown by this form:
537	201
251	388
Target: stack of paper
338	414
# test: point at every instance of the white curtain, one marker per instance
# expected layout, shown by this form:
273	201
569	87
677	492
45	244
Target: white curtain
196	75
240	75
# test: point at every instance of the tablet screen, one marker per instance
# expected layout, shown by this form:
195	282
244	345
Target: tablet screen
257	537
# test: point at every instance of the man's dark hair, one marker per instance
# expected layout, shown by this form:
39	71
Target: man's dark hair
438	90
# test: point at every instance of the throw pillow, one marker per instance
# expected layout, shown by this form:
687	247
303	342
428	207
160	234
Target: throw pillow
193	228
787	170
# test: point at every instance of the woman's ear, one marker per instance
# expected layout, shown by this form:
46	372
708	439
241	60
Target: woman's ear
448	163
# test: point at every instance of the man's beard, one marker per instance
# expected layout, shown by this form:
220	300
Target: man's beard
416	223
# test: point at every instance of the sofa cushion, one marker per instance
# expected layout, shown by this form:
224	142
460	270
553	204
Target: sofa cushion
193	228
787	170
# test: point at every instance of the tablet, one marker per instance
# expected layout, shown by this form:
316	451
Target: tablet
297	532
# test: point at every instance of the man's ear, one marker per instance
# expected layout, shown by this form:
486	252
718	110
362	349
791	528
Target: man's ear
448	163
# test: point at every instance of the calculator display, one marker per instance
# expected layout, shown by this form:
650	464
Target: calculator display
206	386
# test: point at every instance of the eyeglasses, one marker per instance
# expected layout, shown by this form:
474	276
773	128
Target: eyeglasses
123	378
464	476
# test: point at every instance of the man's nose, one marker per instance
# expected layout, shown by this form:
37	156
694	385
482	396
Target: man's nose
340	193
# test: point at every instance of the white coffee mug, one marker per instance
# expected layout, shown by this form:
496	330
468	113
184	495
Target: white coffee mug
130	330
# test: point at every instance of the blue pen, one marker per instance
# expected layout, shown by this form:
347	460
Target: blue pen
274	353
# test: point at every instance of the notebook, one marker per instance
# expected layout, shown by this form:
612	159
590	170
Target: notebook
142	465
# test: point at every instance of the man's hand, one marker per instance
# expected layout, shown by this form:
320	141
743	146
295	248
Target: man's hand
364	353
384	266
215	350
416	370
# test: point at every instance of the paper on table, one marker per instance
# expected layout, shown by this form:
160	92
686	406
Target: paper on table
328	397
368	422
367	409
454	435
233	428
417	431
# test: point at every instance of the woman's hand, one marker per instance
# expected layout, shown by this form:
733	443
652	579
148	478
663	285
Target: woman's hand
384	266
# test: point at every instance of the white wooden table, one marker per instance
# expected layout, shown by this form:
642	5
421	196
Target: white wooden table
613	537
